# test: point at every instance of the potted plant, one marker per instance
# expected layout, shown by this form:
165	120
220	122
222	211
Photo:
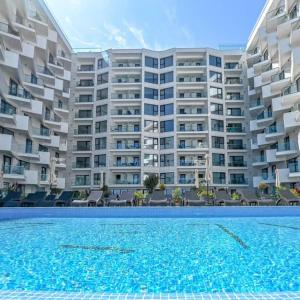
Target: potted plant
235	196
162	186
139	197
151	182
176	195
262	187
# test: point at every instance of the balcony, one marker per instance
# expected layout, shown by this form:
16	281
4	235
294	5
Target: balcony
11	38
238	181
191	128
237	164
36	85
290	95
82	132
126	164
85	148
235	114
193	146
259	161
133	64
13	172
236	146
234	81
235	129
83	116
84	100
79	182
234	97
85	68
191	63
126	146
85	84
127	182
232	66
191	95
256	106
280	81
190	111
43	70
126	96
124	80
186	181
126	128
191	79
265	118
77	165
126	112
286	149
20	96
41	133
187	163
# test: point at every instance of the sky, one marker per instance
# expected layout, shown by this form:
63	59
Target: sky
155	24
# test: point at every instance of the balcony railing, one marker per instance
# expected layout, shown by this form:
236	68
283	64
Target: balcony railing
255	103
129	112
82	182
275	12
259	159
192	111
13	170
126	146
265	115
44	70
235	114
232	66
293	167
82	132
280	76
233	81
191	63
124	181
234	97
186	181
127	164
292	89
79	115
287	146
191	129
126	96
198	146
187	163
44	177
126	80
238	181
235	129
82	148
7	110
191	79
192	95
125	129
19	92
85	68
76	165
236	146
84	100
41	131
85	83
237	164
126	64
33	80
4	27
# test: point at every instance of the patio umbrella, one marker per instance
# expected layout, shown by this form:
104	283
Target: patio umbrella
197	183
1	180
207	172
53	179
277	178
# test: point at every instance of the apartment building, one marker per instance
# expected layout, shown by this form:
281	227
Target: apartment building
35	73
81	120
273	71
138	112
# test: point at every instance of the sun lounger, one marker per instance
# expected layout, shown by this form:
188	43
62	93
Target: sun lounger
65	198
158	198
192	199
93	199
124	199
12	199
249	197
221	197
288	198
48	201
33	199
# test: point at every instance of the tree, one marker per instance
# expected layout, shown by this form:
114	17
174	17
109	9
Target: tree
151	182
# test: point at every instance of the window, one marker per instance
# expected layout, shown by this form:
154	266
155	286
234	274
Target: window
86	68
217	125
166	109
85	98
97	179
86	82
215	76
231	65
99	161
7	108
166	77
235	144
236	161
167	143
218	142
218	159
84	129
166	93
237	179
151	62
235	127
100	143
84	113
166	62
215	92
167	126
216	109
235	111
102	94
28	146
219	178
102	78
167	178
215	61
82	180
167	160
151	77
234	96
4	130
150	143
151	110
102	63
101	110
83	146
150	160
150	126
151	93
83	162
101	126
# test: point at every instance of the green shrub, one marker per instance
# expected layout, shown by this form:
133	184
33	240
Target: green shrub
151	182
235	196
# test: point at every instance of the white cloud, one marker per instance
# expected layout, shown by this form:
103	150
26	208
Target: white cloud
138	35
113	33
68	20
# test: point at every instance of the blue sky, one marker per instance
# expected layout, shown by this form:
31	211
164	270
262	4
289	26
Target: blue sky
155	24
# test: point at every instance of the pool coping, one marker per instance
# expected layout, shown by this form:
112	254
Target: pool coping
44	295
149	212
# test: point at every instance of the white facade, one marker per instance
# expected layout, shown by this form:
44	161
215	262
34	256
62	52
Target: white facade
137	112
35	72
273	57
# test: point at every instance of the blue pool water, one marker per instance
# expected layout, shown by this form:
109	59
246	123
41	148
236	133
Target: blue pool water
153	255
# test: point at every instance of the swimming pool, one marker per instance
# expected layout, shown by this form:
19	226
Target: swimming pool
150	254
